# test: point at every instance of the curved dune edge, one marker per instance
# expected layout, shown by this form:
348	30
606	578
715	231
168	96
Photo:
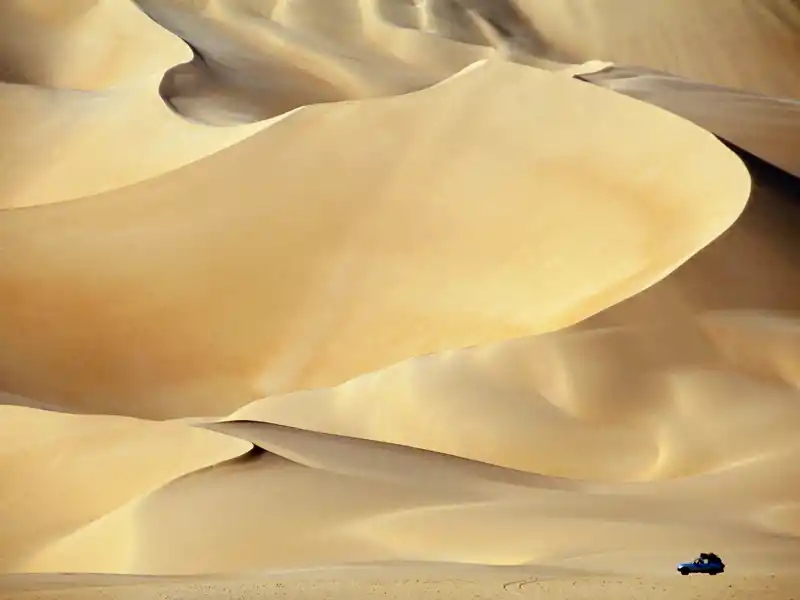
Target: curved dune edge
61	472
261	279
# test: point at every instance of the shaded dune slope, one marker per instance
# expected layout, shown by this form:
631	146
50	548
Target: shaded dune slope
254	60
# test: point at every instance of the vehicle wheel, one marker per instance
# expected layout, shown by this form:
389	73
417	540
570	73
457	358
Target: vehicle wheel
684	571
713	572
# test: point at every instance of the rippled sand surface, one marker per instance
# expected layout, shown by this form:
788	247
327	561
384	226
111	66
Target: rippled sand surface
433	298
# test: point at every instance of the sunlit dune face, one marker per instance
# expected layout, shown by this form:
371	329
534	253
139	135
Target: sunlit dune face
310	281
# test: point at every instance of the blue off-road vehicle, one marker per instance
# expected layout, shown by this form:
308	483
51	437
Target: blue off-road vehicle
708	563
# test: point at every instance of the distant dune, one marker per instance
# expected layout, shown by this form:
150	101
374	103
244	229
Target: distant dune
399	298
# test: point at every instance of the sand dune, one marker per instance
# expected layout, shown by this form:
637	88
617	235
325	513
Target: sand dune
452	298
195	309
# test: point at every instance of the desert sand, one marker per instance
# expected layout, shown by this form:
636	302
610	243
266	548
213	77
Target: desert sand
402	299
